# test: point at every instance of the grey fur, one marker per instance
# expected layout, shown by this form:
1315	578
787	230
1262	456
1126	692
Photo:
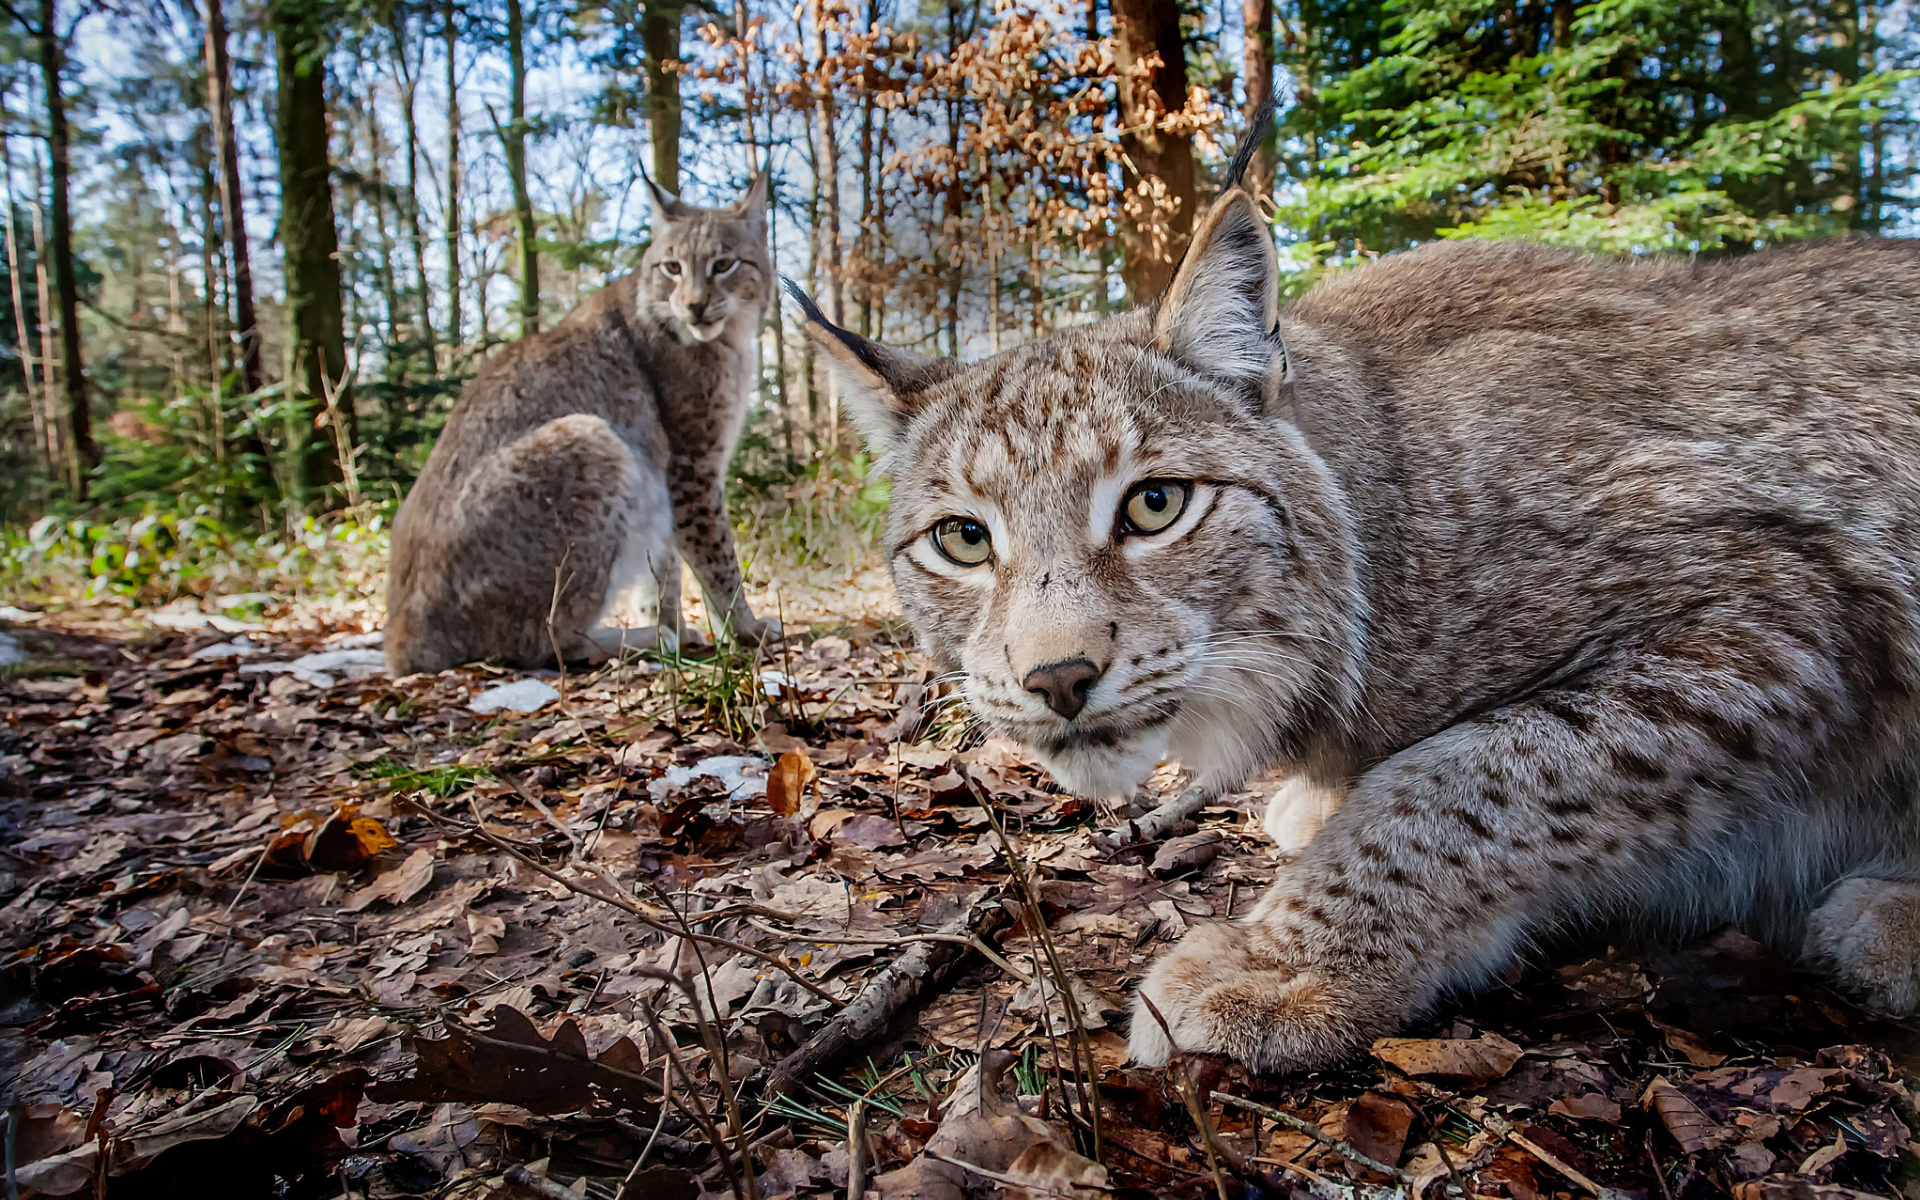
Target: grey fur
1591	586
579	460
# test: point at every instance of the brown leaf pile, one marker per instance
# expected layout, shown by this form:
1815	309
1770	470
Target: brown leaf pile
309	930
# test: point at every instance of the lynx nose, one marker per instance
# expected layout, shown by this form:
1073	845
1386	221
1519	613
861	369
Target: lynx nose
697	311
1065	684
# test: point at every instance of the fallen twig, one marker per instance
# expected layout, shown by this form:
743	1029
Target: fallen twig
539	1185
979	946
923	965
1183	1083
1505	1129
628	904
1012	1180
1317	1134
1156	824
857	1151
1037	927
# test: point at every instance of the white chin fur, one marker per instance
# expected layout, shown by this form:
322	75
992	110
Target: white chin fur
1107	770
707	333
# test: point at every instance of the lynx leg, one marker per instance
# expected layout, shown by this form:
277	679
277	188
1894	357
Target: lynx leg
1867	934
1444	857
705	538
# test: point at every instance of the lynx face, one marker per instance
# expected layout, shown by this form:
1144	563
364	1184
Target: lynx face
1105	533
708	266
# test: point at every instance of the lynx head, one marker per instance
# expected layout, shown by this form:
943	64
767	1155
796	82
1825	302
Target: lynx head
707	268
1113	536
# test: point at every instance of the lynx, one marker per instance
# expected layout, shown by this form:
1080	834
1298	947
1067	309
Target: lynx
1590	585
579	461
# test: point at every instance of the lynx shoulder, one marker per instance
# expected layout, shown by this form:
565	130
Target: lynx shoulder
1582	589
583	463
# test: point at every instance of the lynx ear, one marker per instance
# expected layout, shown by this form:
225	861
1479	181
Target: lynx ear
881	388
753	205
666	206
1219	315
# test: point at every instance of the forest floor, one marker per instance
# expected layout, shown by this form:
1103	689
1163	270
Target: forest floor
273	923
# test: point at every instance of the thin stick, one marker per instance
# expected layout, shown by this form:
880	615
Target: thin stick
699	1111
1505	1129
987	952
857	1150
1317	1134
1014	1180
1183	1082
659	1123
1090	1093
628	905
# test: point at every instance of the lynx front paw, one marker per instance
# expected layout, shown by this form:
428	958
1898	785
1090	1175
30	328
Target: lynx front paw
757	631
1217	994
1867	934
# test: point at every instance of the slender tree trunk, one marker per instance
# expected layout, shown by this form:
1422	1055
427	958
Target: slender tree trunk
516	155
826	135
81	452
660	37
1162	163
311	242
454	326
1257	67
409	89
868	185
46	425
393	364
210	256
232	199
61	434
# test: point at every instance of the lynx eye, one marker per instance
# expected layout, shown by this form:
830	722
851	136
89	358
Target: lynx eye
721	266
671	268
1153	505
963	540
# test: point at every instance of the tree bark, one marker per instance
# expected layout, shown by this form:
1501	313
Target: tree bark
515	139
81	452
311	243
826	134
46	424
409	86
226	149
454	331
1257	67
1162	171
660	36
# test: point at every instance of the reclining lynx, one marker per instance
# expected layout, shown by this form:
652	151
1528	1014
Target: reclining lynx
580	459
1592	584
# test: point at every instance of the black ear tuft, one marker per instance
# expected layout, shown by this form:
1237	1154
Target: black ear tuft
1258	130
871	355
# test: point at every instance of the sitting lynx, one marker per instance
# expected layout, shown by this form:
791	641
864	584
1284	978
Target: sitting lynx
1591	585
580	459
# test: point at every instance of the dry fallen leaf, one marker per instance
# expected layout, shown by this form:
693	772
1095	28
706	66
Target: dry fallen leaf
787	782
1693	1129
397	886
1465	1061
1588	1106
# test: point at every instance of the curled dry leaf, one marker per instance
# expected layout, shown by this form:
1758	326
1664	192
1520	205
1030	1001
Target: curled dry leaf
1692	1129
397	886
1377	1126
787	783
506	1060
1463	1061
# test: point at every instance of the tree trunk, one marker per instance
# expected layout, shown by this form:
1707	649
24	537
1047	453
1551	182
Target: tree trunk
516	153
409	87
1162	163
826	134
227	151
46	424
311	243
454	331
81	452
1257	66
660	36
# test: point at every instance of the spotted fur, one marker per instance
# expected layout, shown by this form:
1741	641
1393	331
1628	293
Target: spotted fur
581	464
1590	585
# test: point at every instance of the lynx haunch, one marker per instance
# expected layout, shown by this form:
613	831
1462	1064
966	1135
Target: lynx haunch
1591	586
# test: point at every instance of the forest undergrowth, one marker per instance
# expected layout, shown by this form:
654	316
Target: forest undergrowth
769	925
